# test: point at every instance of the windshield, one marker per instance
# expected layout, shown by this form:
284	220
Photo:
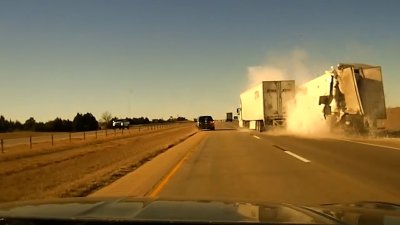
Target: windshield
254	101
205	118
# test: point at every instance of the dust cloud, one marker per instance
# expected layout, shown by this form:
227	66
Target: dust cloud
289	66
257	74
304	115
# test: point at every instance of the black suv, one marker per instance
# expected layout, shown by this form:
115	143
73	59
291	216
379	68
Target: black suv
205	122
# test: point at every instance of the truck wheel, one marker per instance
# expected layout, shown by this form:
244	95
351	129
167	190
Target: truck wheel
259	125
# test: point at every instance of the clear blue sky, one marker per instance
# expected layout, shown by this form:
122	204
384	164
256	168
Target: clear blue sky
167	58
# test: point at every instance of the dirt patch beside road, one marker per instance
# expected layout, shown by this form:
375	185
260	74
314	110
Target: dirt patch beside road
80	170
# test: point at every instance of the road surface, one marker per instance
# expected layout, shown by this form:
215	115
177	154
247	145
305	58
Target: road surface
237	164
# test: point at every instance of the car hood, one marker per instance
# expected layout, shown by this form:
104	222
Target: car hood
169	210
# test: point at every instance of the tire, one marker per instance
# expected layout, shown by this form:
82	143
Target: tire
259	126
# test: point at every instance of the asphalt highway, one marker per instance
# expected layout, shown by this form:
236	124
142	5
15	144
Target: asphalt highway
238	164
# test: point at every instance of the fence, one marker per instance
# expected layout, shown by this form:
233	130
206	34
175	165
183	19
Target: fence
71	137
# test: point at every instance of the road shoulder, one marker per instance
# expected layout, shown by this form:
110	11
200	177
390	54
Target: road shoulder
151	173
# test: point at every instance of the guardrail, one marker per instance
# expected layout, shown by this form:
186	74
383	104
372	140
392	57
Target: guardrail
73	137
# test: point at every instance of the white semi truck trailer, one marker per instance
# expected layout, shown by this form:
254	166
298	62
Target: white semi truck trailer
265	104
350	96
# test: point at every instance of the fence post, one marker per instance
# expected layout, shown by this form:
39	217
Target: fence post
30	142
2	146
52	140
84	135
70	137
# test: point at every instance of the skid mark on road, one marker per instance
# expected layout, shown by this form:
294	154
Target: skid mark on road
292	154
279	147
288	152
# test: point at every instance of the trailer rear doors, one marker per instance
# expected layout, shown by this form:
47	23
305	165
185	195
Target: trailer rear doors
277	95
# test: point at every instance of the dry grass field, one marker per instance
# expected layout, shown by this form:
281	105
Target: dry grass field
79	169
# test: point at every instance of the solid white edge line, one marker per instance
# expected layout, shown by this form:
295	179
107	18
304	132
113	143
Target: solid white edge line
256	137
298	157
364	143
381	146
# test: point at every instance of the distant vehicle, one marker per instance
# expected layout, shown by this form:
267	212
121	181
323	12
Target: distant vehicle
350	96
120	124
229	117
206	122
265	104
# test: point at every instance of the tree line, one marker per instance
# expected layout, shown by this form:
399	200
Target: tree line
81	122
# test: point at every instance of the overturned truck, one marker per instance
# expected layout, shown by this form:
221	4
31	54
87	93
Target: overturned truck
350	96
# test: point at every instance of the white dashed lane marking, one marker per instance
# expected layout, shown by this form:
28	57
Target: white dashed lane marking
298	157
257	137
292	154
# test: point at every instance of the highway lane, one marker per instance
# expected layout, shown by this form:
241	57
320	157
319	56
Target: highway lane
373	166
238	164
